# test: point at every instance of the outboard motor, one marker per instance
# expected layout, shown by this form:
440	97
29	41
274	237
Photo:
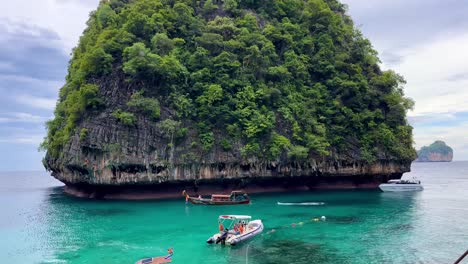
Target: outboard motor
222	237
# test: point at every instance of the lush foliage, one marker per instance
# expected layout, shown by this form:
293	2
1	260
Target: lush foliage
70	110
125	118
285	78
144	105
83	133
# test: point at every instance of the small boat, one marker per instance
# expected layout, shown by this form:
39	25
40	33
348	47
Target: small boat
235	229
155	260
401	186
301	204
236	197
158	260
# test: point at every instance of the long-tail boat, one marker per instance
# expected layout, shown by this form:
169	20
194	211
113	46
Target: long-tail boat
236	197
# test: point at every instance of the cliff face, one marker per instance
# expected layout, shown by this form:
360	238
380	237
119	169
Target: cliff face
115	154
232	95
436	152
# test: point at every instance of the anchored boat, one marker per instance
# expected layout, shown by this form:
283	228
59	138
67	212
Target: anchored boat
234	229
236	197
401	186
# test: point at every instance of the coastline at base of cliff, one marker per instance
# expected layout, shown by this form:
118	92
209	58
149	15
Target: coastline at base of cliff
208	187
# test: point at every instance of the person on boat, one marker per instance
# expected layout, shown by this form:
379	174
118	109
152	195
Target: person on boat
170	252
236	229
222	238
221	227
241	228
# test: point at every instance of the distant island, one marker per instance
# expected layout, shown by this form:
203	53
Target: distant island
436	152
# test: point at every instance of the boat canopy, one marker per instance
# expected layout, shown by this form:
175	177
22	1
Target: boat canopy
394	181
235	217
220	195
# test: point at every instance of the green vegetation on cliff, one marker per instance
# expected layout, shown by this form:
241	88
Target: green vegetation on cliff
435	151
289	79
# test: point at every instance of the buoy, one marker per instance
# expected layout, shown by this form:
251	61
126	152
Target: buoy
323	218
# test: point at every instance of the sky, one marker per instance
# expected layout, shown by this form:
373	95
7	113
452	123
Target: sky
423	40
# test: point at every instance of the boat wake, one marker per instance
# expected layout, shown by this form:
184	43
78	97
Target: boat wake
303	204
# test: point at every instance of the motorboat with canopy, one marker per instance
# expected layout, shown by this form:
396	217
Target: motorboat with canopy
401	186
234	229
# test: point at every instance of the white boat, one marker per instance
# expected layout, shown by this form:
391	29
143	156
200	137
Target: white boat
235	229
401	186
303	204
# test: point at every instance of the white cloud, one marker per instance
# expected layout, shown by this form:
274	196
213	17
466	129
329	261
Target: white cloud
37	102
14	29
6	66
430	69
425	41
50	86
23	139
66	18
18	117
431	118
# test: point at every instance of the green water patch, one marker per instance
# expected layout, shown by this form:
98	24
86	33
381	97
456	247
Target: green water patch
375	228
343	219
298	215
289	251
403	227
106	211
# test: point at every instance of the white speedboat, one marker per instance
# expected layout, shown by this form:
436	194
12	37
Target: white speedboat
401	186
234	229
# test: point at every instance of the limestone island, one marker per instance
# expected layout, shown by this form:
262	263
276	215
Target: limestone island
167	95
436	152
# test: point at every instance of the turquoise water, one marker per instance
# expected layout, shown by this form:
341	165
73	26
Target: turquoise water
39	224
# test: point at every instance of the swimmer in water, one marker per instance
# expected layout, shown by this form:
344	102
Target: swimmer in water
170	252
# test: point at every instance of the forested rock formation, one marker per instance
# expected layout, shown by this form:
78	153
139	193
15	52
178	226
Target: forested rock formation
436	152
186	90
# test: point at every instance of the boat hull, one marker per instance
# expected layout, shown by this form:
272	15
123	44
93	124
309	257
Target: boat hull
155	260
254	228
211	202
400	187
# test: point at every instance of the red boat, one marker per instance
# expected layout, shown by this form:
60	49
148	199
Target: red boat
236	197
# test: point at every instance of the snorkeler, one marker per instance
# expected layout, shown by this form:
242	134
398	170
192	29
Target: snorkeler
170	252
